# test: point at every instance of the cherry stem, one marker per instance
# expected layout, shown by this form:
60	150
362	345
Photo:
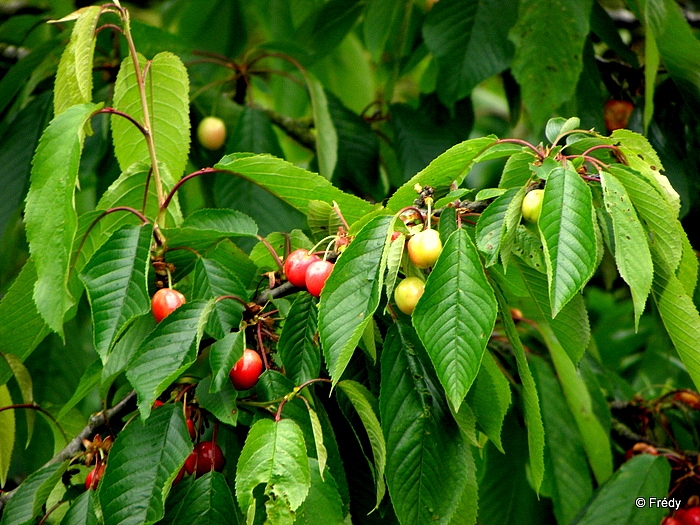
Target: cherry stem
337	211
234	297
128	117
261	347
184	179
295	392
522	143
34	406
414	208
48	512
272	251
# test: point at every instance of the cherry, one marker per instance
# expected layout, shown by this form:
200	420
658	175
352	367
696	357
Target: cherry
246	371
691	516
94	476
316	276
211	133
407	293
190	462
207	457
668	520
424	248
532	205
158	403
164	302
179	476
190	427
617	114
296	264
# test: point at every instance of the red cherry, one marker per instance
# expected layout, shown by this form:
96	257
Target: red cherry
617	114
208	457
316	275
295	266
691	516
158	403
246	371
179	476
94	476
164	302
190	462
190	427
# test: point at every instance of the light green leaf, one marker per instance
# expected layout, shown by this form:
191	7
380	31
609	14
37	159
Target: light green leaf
363	401
455	315
115	280
50	216
644	476
568	237
143	462
24	381
222	356
274	455
321	452
351	294
516	172
167	98
167	352
26	504
222	403
295	186
490	399
393	263
491	226
297	347
549	37
420	433
557	127
322	219
632	253
687	271
7	434
326	135
74	76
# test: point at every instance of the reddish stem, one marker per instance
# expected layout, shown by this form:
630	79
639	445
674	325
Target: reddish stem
128	117
261	347
522	143
278	416
184	179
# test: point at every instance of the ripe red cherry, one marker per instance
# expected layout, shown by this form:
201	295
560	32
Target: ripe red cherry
179	476
617	114
164	302
94	476
191	462
208	457
691	516
190	427
424	248
316	276
246	371
295	266
668	520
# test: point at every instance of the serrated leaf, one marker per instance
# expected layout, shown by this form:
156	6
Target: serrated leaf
274	454
321	452
84	510
516	172
687	272
220	222
50	216
143	461
644	476
566	459
450	167
322	219
207	500
547	62
533	415
351	295
558	126
529	248
491	226
222	356
74	76
420	433
295	186
568	236
363	400
323	504
490	399
632	253
455	315
88	382
115	280
166	352
167	98
681	319
7	435
221	403
297	347
24	381
27	502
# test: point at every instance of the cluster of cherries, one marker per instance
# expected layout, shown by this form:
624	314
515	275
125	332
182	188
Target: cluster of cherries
307	270
205	457
423	249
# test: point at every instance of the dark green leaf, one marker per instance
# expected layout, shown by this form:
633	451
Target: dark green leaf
222	356
222	403
490	399
382	19
254	134
88	383
83	510
26	504
323	504
206	501
297	346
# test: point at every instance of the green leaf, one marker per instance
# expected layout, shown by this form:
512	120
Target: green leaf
681	319
26	504
254	134
642	477
632	253
455	315
323	504
516	172
321	452
7	436
217	224
24	381
322	219
549	37
687	271
364	403
115	280
420	434
88	382
50	217
207	500
566	460
295	186
222	356
568	237
557	127
470	42
491	226
351	295
167	98
74	76
596	440
166	352
144	460
326	135
84	510
274	455
490	399
533	416
222	403
382	20
297	347
450	167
